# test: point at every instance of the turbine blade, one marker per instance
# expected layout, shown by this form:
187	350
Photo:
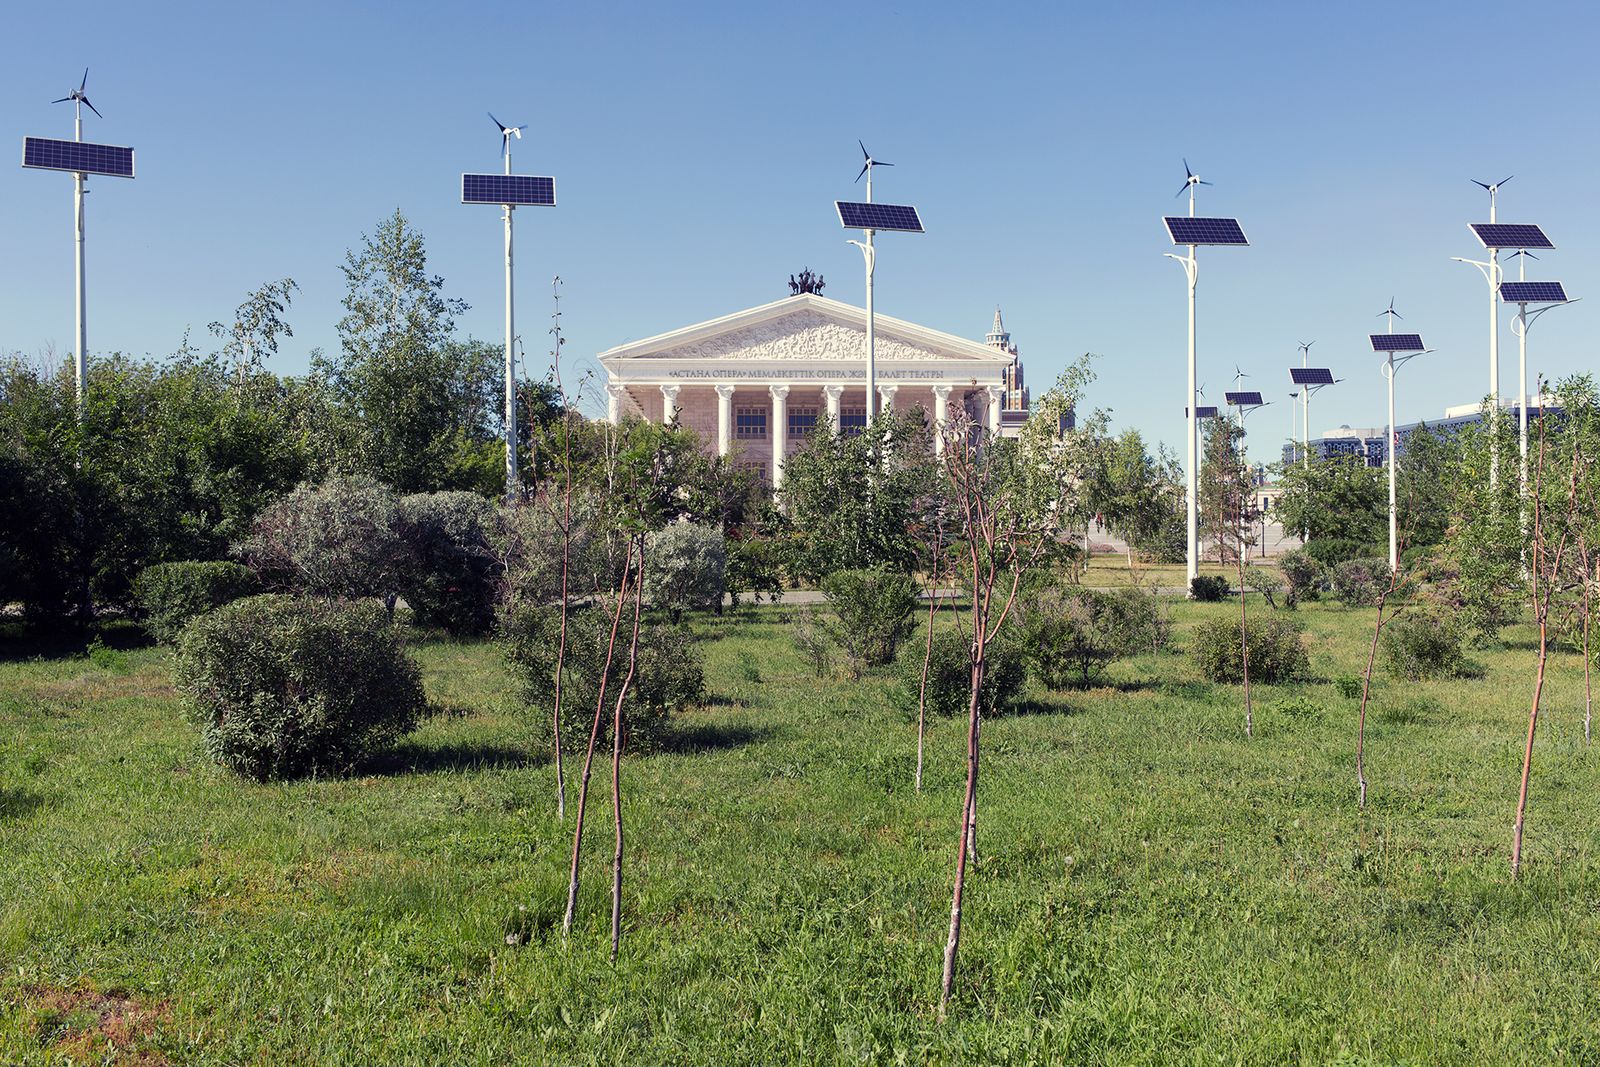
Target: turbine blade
496	121
881	163
91	107
63	100
1181	191
1187	173
1507	178
864	153
1477	182
864	167
85	83
1200	182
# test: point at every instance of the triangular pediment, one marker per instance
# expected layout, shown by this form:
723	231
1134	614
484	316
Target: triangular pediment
806	327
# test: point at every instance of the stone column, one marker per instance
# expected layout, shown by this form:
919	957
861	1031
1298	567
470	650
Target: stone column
886	397
724	419
941	416
614	403
994	392
669	403
780	431
832	393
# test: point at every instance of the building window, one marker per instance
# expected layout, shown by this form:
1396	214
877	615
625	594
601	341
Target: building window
802	421
852	420
757	468
750	423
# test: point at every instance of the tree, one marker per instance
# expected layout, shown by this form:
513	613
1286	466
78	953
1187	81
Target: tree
253	335
1338	497
1143	498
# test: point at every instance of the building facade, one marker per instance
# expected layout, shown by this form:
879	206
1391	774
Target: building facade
755	383
1370	444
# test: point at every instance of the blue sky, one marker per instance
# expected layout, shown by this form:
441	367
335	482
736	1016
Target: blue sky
698	148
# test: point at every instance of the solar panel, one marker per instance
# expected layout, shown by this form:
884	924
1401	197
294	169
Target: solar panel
508	189
1203	412
1533	293
1510	235
900	217
1188	231
81	156
1311	375
1396	342
1244	400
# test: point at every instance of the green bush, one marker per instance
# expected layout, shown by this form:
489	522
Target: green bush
1072	634
1302	576
874	608
667	677
1359	582
950	675
685	567
1209	588
171	595
1269	585
1277	652
342	538
1332	551
283	686
451	576
1425	645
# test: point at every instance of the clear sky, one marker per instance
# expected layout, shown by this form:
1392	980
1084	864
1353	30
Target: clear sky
698	149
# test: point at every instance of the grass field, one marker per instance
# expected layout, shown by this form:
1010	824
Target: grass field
1153	886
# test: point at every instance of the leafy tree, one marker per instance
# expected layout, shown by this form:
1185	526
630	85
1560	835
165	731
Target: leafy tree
1143	498
1339	497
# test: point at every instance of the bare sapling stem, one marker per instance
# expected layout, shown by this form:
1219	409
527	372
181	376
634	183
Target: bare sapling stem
953	938
594	734
927	654
616	761
1366	689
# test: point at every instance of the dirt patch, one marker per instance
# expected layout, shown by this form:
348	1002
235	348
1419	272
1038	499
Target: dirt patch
85	1025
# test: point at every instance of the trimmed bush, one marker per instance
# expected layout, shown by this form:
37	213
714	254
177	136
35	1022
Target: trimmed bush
338	539
1425	645
283	686
685	565
667	678
950	675
1070	635
874	608
171	595
1209	588
1302	577
1359	582
1277	652
451	579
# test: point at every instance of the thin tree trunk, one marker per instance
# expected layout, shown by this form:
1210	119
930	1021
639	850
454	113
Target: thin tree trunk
588	759
1588	691
1361	716
1527	755
972	815
927	658
1244	637
561	645
616	762
953	939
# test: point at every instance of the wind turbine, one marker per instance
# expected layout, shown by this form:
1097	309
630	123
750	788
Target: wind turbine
1238	375
866	168
506	133
1190	180
1493	189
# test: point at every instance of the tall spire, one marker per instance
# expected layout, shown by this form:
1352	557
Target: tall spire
998	336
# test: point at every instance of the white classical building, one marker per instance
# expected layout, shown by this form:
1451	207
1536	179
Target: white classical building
758	381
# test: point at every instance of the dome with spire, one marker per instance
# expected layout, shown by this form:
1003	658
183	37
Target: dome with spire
998	337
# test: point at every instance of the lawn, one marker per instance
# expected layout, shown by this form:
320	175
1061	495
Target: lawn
1153	886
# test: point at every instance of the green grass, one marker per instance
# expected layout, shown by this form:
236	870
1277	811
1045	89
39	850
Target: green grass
1153	886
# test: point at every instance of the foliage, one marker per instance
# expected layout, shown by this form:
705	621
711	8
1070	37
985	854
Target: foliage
1277	651
1338	497
1358	582
283	687
668	676
950	675
811	639
1209	588
451	573
853	499
1269	585
1329	552
1070	635
874	609
171	595
1425	644
1302	576
685	564
1141	498
343	538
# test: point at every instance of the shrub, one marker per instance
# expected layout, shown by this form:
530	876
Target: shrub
338	539
1209	588
171	595
667	677
1424	645
684	568
284	686
1332	551
1302	576
452	572
1266	583
527	541
950	675
1359	582
1071	634
874	608
811	639
1277	652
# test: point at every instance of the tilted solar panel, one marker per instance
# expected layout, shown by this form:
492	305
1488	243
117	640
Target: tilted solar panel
523	189
1191	231
1396	342
1533	293
1510	235
1311	375
1203	412
80	156
1244	400
900	217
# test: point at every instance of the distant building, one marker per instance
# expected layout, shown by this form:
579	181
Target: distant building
1369	442
1013	391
